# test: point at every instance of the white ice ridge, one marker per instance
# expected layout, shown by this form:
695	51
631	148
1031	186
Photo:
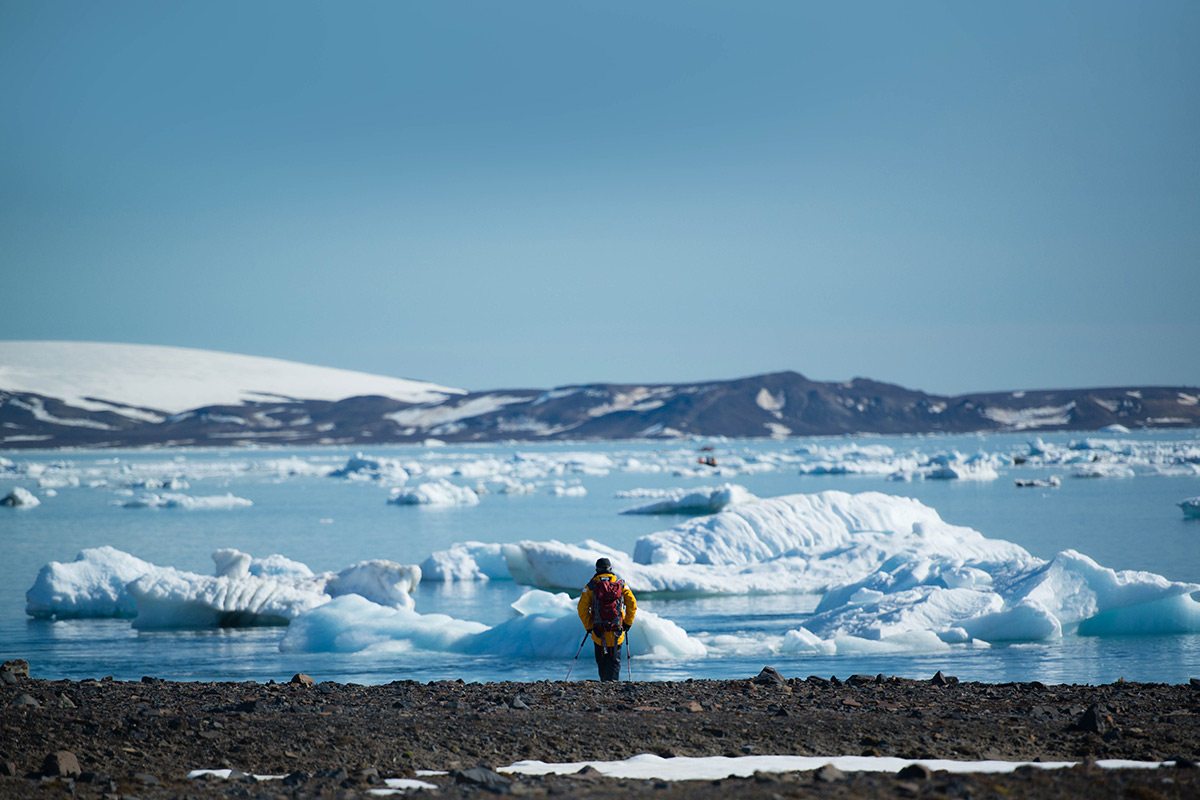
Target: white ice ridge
174	379
546	626
701	500
893	575
106	582
687	768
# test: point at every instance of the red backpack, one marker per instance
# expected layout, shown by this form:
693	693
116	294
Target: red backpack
608	604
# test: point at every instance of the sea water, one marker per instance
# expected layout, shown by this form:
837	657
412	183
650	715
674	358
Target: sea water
299	511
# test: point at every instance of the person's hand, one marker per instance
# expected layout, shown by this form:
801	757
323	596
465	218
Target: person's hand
625	628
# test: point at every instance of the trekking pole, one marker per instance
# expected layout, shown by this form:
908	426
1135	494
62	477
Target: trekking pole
629	653
577	652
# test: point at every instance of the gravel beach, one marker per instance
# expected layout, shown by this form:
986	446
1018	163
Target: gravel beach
108	739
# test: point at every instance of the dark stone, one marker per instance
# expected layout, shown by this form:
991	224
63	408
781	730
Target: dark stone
248	707
64	702
1095	719
828	774
817	680
859	680
1195	682
25	701
61	763
915	772
17	666
943	680
1183	762
146	779
8	678
484	777
8	769
770	676
294	779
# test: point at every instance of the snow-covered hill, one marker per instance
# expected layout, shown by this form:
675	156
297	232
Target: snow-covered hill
96	376
84	394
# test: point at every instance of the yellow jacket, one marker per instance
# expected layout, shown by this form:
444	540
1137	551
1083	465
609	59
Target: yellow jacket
585	612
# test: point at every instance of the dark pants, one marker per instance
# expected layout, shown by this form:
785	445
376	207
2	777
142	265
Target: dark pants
608	659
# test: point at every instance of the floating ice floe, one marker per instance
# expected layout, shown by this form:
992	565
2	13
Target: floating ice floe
105	582
892	573
1191	507
952	466
702	500
1104	470
546	626
435	493
20	498
368	468
176	500
1048	483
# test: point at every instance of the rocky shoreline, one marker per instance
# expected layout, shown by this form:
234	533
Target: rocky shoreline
109	739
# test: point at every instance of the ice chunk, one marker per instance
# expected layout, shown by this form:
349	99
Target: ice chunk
435	493
1191	507
467	561
384	582
175	500
702	500
93	585
547	626
20	498
169	598
368	468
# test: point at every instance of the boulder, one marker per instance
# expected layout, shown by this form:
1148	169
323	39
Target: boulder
17	666
917	772
484	777
770	677
300	679
62	764
828	774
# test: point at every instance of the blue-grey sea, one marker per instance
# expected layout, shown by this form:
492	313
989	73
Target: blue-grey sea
1126	523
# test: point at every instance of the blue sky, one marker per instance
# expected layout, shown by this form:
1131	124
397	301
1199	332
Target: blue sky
951	196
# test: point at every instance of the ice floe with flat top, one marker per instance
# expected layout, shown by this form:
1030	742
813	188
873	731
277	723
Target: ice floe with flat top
177	500
545	626
243	591
701	500
434	493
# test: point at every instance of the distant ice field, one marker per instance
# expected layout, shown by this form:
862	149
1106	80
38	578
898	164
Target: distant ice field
831	556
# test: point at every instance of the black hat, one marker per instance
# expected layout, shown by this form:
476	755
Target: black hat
603	565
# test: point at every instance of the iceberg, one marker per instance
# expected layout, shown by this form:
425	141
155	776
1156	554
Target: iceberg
20	498
1190	507
243	591
545	626
702	500
435	493
175	500
93	585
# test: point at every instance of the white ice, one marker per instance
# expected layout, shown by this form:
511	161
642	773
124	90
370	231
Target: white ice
701	500
434	493
177	500
105	582
20	498
545	626
687	768
1190	506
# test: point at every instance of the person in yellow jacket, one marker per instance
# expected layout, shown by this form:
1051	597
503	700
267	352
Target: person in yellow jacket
607	608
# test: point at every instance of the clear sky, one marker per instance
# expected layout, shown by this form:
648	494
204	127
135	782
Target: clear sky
950	196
